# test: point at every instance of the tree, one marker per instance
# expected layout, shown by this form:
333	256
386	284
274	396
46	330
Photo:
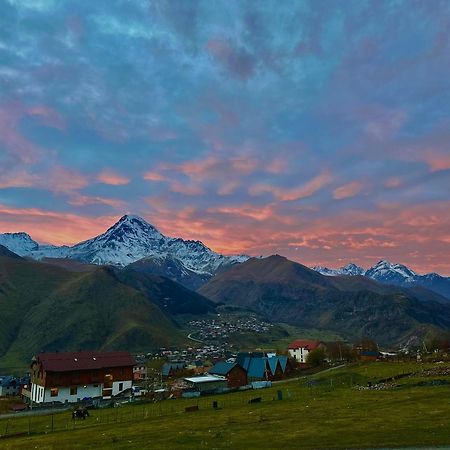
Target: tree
316	357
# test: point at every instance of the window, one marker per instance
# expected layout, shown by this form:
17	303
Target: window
73	390
120	386
54	392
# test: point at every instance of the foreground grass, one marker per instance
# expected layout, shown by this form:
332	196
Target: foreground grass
324	414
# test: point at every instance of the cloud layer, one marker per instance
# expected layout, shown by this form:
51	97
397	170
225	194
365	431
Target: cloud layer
318	130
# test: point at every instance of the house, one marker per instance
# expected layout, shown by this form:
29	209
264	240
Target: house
75	376
235	374
300	349
139	372
369	355
172	369
9	386
260	367
207	383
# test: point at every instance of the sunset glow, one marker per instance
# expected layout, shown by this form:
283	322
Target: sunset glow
306	133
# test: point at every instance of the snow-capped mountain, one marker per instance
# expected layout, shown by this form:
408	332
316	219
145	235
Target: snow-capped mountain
387	272
349	269
127	241
19	243
397	274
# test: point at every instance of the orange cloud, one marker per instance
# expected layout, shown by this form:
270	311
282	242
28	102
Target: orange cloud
348	190
112	178
52	227
285	194
437	160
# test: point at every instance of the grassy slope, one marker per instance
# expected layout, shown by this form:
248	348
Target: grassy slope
329	415
49	308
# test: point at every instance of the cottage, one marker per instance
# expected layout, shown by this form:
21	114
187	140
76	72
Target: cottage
260	367
300	349
74	376
207	383
369	355
139	372
9	386
235	374
172	369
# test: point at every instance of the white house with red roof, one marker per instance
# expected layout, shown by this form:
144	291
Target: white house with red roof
300	349
75	376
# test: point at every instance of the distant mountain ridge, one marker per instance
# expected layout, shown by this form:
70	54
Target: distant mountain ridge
285	291
127	241
396	274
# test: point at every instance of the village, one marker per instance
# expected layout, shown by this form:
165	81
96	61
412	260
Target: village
100	379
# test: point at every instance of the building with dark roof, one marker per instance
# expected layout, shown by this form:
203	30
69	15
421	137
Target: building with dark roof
171	369
235	374
259	366
76	376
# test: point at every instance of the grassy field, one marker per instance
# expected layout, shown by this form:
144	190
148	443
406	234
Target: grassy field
322	411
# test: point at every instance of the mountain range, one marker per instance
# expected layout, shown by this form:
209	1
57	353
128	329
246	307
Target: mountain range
285	291
127	287
129	240
395	274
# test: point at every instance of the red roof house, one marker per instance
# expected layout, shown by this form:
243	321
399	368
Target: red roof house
74	376
300	348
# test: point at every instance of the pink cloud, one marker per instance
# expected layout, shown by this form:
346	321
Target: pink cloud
154	176
393	182
186	189
84	200
437	160
291	194
52	227
18	179
347	190
63	180
15	143
112	178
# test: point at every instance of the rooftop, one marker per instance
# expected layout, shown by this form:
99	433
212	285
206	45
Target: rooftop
68	361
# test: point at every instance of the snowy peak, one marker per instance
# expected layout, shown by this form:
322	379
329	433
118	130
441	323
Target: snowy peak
396	274
19	243
349	269
389	272
130	239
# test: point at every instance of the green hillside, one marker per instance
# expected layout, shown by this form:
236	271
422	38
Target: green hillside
45	307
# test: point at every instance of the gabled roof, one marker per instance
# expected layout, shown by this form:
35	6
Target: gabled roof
68	361
304	343
222	368
283	362
257	367
168	367
273	362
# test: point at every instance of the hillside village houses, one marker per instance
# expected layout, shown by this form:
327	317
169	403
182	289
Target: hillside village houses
300	349
76	376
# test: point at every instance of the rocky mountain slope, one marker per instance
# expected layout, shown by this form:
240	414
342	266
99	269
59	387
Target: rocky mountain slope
284	291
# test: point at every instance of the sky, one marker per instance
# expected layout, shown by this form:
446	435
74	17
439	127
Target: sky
319	130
